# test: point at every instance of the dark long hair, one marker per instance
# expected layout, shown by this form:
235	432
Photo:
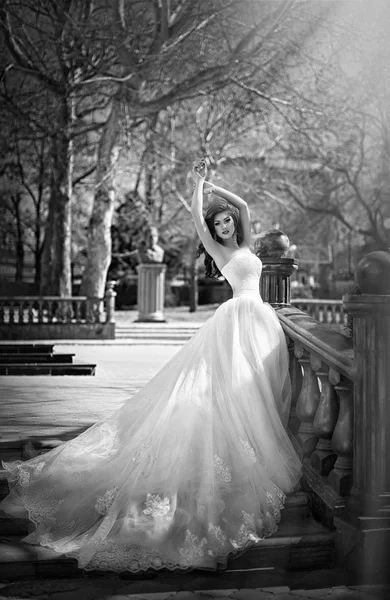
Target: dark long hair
216	207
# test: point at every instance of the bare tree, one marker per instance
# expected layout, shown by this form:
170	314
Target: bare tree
170	51
56	47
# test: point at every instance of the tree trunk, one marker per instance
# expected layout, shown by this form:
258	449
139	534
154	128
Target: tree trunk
56	256
99	230
38	262
19	240
19	260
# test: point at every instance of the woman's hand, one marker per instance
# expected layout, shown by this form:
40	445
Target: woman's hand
200	169
208	188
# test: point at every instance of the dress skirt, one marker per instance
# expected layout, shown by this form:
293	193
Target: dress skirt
192	469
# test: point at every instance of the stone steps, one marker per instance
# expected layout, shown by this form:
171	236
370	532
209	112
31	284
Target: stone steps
155	337
18	348
147	332
47	369
300	543
39	359
35	358
291	548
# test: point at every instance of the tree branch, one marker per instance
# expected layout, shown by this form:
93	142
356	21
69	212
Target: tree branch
80	178
22	63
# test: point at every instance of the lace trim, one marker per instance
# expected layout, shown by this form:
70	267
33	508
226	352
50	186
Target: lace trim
119	558
104	503
142	451
249	450
40	505
193	550
221	468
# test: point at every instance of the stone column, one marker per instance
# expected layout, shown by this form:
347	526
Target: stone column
150	293
371	447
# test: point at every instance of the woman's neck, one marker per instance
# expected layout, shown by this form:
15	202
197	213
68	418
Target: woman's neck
232	244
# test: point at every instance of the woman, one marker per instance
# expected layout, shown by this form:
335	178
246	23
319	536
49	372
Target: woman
196	465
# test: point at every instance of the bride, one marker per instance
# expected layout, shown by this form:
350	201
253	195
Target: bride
193	468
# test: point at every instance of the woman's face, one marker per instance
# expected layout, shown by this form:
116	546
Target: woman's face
224	225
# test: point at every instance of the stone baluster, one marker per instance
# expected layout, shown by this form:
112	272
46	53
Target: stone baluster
21	312
110	302
94	309
324	457
51	311
77	311
40	310
69	311
11	314
317	312
296	385
30	312
307	404
340	478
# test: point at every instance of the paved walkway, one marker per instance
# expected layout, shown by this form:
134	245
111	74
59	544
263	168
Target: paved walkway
47	406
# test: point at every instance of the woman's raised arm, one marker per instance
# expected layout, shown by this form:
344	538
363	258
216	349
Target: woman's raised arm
208	242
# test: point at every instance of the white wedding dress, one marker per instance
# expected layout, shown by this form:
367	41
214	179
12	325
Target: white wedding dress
192	469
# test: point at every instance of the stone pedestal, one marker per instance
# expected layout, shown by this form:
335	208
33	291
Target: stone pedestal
275	280
371	443
363	531
150	294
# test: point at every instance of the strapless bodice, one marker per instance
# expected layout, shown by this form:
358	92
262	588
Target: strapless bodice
243	273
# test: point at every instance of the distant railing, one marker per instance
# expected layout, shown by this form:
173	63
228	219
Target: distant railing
58	316
51	309
56	309
324	311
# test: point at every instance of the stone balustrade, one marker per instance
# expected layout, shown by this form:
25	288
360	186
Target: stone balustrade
340	414
54	317
322	374
51	309
331	312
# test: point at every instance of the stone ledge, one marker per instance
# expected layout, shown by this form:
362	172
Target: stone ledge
57	331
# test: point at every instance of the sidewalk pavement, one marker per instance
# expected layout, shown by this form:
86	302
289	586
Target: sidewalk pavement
44	406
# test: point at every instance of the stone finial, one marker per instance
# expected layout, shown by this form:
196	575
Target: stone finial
372	274
272	243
